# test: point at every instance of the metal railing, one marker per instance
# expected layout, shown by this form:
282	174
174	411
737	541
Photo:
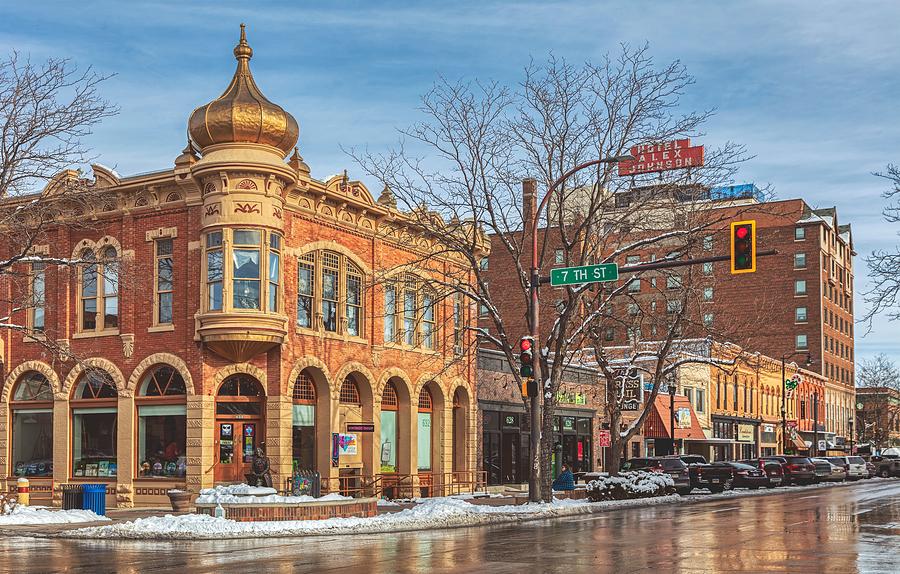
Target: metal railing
398	486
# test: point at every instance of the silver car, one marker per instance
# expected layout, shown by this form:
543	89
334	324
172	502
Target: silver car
827	471
854	465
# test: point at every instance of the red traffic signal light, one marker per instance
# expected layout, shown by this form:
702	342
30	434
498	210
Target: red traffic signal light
526	357
743	247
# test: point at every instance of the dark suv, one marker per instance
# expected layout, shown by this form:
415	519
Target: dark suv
796	469
886	466
671	465
705	475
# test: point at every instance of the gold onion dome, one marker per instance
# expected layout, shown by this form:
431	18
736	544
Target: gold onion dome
242	114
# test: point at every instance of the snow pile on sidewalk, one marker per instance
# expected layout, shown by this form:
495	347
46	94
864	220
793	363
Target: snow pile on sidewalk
20	515
243	494
630	485
430	514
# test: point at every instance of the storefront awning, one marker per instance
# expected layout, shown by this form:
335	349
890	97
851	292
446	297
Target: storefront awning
687	426
711	440
799	443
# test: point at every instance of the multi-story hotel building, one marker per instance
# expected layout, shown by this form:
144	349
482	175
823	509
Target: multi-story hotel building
231	300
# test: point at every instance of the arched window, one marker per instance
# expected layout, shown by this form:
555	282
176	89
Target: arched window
99	290
350	392
390	404
162	424
425	429
94	425
304	422
330	293
410	313
32	426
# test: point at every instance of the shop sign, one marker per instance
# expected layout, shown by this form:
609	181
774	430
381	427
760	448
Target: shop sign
568	423
792	424
793	382
348	444
823	446
571	397
652	158
745	433
360	427
630	383
768	428
603	439
683	418
335	449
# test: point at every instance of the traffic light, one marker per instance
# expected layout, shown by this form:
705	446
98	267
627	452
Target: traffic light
526	357
743	247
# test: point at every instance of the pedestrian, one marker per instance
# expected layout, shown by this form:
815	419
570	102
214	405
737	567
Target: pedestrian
565	480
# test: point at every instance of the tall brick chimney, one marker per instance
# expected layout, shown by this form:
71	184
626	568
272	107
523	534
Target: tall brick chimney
529	203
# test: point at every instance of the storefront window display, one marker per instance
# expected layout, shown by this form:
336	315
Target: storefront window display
32	426
304	423
162	424
94	418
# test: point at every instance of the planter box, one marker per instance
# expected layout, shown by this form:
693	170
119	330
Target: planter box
357	507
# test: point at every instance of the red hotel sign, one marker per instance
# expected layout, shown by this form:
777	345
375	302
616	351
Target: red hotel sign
651	158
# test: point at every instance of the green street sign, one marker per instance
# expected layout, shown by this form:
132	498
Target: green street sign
584	274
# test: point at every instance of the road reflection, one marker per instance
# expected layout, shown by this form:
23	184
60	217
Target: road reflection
844	529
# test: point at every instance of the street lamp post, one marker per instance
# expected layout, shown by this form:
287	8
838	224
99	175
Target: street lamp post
850	424
534	480
784	359
816	422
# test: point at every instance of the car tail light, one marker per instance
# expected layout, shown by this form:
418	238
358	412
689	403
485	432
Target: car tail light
795	467
742	472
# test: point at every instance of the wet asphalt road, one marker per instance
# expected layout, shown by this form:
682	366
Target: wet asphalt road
842	530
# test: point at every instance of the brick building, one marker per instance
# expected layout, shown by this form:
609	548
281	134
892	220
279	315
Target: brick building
231	300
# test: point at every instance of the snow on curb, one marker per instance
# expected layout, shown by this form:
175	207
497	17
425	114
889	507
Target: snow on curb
30	515
431	514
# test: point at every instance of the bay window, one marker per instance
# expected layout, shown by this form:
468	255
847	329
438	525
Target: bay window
245	269
254	276
215	270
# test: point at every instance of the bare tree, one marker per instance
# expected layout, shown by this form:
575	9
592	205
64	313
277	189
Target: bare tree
46	111
880	376
884	265
479	140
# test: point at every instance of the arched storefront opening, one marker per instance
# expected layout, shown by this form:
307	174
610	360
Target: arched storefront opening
425	429
355	449
161	405
303	414
390	408
460	424
94	426
240	404
32	426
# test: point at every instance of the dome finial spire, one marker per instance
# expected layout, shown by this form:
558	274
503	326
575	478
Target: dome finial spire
243	49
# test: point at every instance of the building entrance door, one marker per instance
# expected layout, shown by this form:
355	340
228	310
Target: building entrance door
510	458
236	445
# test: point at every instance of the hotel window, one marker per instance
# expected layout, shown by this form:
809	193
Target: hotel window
708	319
330	293
800	315
707	293
162	424
559	256
708	243
801	342
799	260
800	287
164	281
246	268
31	410
37	311
609	334
673	307
274	271
633	309
410	313
632	260
94	418
634	286
799	233
707	268
215	270
99	288
458	324
673	282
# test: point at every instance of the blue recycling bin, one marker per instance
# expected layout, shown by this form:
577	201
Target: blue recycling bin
94	498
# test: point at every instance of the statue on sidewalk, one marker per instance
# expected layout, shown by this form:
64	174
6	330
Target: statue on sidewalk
259	475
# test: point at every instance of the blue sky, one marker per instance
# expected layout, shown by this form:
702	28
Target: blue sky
809	86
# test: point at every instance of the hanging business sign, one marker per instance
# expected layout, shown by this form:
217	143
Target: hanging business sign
360	427
665	156
683	418
746	433
630	384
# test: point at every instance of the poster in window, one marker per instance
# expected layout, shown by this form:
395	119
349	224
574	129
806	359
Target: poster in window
348	444
103	468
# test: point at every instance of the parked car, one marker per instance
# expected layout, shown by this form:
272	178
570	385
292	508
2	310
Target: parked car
742	475
854	465
828	472
886	466
870	468
671	465
796	469
705	475
773	470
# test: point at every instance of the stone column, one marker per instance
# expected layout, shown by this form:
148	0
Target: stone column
61	447
125	432
279	422
201	423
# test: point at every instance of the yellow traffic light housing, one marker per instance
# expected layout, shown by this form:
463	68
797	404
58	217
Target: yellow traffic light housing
743	247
